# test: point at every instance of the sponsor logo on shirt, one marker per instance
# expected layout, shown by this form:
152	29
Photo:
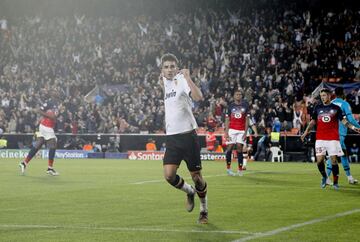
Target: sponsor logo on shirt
170	94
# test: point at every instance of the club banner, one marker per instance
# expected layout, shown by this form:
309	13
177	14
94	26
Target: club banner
17	154
212	156
348	87
68	154
159	155
145	155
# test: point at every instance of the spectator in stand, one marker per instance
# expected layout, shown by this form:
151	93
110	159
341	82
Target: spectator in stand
288	122
262	149
261	124
163	147
282	60
219	106
211	122
88	146
277	125
218	147
210	140
3	141
150	145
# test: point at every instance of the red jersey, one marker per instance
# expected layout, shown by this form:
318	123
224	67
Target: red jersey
47	122
218	109
327	120
237	114
210	141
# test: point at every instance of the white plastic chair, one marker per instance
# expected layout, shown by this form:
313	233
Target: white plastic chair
277	154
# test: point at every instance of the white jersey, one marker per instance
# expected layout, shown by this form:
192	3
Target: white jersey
178	106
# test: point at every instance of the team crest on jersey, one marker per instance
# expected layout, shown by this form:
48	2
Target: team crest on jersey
326	119
237	115
332	111
242	110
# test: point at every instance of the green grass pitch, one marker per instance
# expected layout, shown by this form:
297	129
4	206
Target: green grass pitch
124	200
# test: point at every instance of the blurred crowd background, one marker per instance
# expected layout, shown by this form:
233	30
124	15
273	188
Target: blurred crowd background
100	60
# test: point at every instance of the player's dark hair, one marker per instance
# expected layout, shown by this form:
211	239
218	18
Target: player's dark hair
325	90
238	90
339	91
169	57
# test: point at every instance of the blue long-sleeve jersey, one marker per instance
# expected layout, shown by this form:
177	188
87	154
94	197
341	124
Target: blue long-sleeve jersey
346	109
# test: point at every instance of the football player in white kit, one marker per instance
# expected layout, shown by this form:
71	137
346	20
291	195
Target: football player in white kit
181	138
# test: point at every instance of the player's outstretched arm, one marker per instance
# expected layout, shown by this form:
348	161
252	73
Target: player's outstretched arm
349	116
350	126
308	128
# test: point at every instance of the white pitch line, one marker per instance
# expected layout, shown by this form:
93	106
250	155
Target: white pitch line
295	226
143	182
9	209
38	226
161	180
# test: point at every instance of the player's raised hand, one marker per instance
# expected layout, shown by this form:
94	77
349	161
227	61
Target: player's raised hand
186	73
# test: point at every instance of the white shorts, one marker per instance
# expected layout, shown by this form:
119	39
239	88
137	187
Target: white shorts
46	132
236	137
332	147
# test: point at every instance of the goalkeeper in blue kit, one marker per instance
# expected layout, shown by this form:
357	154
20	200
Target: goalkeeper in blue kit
346	109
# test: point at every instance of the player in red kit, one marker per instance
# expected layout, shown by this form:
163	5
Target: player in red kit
326	116
46	135
236	125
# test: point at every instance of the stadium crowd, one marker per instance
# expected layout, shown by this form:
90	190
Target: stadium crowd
278	56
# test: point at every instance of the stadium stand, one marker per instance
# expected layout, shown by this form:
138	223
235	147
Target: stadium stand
278	55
